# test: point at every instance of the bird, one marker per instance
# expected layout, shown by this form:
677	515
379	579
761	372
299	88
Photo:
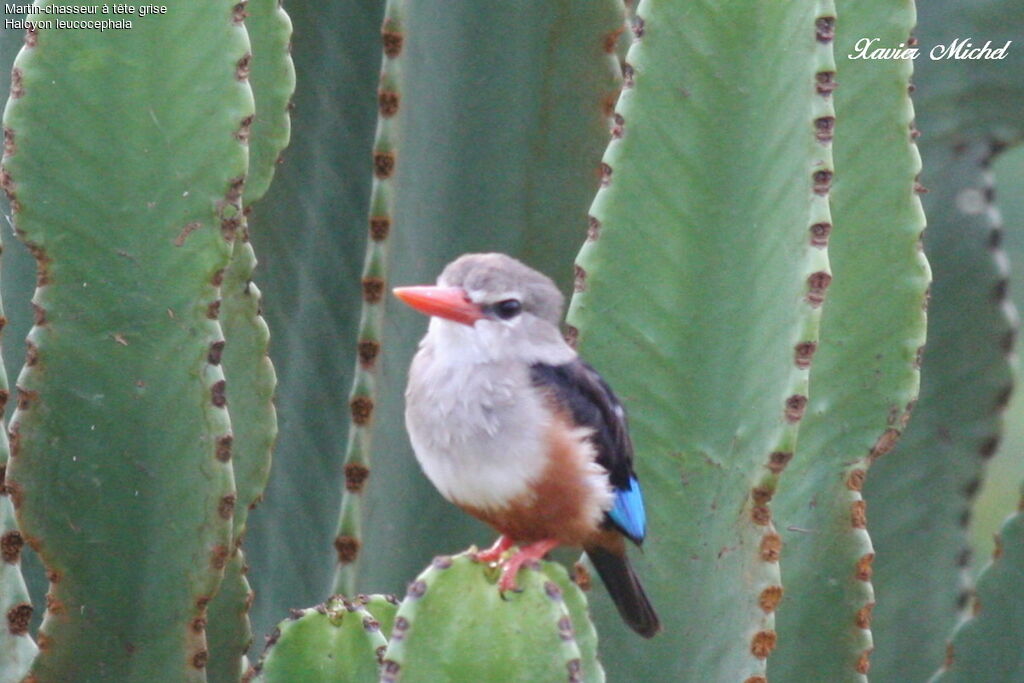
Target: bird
510	425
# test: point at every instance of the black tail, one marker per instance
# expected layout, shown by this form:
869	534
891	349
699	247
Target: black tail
627	593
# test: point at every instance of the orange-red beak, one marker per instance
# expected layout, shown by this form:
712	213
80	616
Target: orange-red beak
444	302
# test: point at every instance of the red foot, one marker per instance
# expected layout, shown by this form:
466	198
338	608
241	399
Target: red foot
495	552
531	553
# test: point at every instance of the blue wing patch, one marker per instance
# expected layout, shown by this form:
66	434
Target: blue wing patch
628	511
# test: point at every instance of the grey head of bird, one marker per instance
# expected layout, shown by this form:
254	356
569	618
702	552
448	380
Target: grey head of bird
490	306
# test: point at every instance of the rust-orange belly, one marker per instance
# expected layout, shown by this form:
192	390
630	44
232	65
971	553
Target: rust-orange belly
563	502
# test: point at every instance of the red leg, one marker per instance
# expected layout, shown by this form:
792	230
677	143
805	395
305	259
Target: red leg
531	553
495	552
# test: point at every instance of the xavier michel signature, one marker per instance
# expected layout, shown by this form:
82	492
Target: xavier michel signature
961	48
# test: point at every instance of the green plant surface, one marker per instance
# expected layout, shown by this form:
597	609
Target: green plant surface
454	625
383	608
696	292
306	230
987	647
228	631
976	99
865	375
335	641
273	84
123	160
1001	486
965	384
363	396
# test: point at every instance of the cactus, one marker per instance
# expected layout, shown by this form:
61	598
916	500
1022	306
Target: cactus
383	608
335	641
864	379
244	355
454	625
363	396
122	207
986	647
681	336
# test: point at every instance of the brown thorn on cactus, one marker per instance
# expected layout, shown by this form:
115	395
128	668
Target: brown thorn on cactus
581	576
26	397
863	662
565	630
383	164
6	182
373	289
226	507
239	13
31	35
216	351
803	353
919	188
31	354
593	229
771	547
442	562
356	475
989	447
821	181
390	670
858	514
605	174
38	316
244	129
244	67
997	549
417	589
825	29
380	226
18	618
579	281
885	443
763	643
347	549
863	616
218	393
361	408
11	544
824	128
213	310
200	658
198	624
864	570
795	406
825	82
392	42
229	228
368	350
219	556
388	102
223	452
611	39
817	283
9	147
770	598
855	480
628	75
17	83
14	492
618	126
54	605
778	460
638	26
571	335
43	642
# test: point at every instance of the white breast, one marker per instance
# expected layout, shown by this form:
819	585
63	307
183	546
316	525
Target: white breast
476	424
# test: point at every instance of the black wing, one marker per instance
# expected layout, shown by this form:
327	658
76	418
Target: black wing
581	391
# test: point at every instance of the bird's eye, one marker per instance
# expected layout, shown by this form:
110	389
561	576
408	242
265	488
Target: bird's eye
508	309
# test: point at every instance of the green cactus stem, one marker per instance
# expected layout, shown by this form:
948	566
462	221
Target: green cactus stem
865	374
714	160
986	648
454	625
247	338
125	165
336	641
383	608
363	396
